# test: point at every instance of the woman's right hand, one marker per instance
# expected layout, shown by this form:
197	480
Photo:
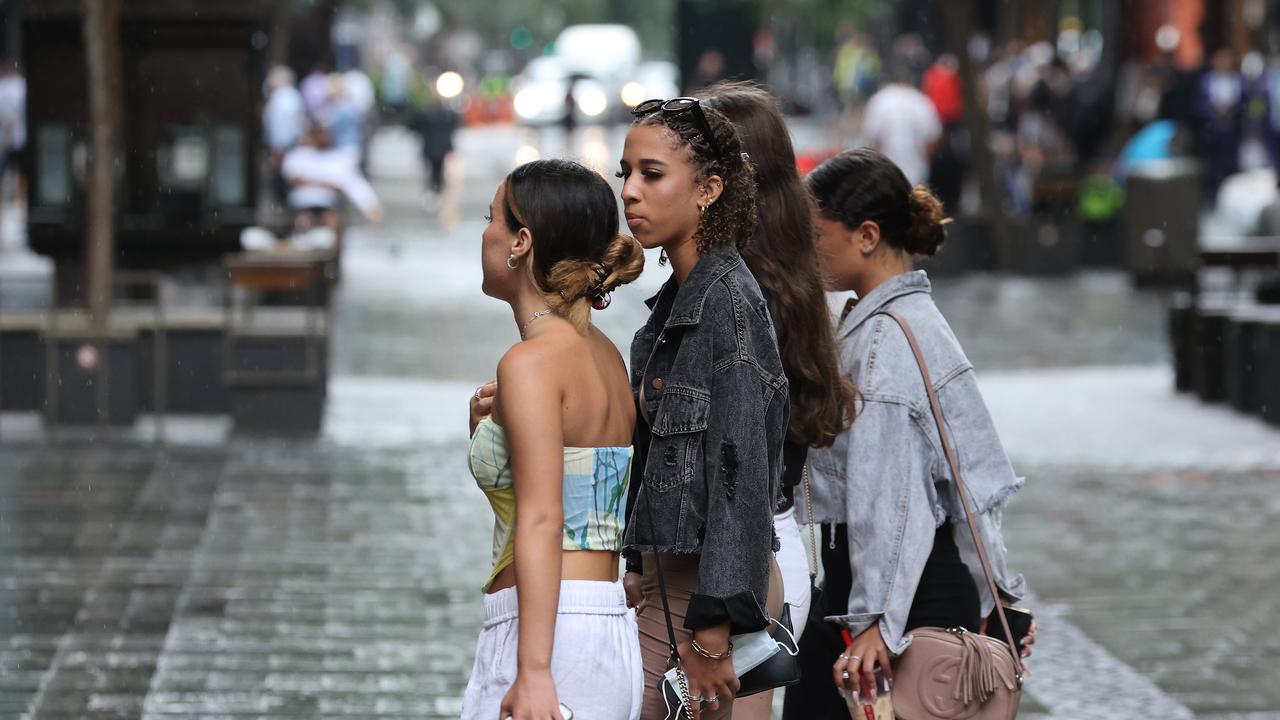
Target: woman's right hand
861	657
482	403
631	585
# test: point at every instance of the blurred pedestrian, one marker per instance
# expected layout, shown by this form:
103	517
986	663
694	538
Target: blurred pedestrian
857	69
343	117
941	84
710	69
551	450
13	131
284	120
901	122
316	90
897	548
1220	105
713	406
397	77
782	257
911	55
569	120
360	91
436	124
320	176
1267	92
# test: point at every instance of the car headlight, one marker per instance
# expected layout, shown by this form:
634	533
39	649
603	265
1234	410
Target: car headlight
449	84
632	94
592	102
528	103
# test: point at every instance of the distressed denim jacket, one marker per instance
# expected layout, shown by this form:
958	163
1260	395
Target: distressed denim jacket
706	367
887	477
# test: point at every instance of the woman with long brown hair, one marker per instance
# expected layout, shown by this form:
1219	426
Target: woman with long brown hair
784	261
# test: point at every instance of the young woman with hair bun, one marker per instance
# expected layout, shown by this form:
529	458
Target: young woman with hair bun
551	449
896	547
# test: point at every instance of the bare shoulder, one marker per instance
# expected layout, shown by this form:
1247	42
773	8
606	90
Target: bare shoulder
526	360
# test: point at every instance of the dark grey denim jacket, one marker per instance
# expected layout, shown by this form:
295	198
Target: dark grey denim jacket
711	459
887	476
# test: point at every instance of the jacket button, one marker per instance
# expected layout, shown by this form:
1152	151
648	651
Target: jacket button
657	383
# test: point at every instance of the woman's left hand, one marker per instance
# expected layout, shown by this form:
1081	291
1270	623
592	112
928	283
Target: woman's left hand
531	697
711	682
1027	642
481	404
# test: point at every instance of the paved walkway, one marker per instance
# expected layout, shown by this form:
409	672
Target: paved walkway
232	578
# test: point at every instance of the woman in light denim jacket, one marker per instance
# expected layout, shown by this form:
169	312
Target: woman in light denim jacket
908	559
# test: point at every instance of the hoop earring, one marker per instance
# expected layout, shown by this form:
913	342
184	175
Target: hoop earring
511	263
662	258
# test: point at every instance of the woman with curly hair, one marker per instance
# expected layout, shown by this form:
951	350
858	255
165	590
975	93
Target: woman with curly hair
551	450
713	405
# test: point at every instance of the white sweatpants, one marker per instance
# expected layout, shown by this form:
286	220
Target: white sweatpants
595	658
793	560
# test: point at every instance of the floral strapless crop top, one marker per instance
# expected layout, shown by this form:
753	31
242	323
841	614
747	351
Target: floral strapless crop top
594	496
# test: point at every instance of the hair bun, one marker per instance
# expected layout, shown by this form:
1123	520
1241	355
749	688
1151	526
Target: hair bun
576	285
926	225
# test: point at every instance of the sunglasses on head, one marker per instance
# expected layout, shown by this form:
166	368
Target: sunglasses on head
679	106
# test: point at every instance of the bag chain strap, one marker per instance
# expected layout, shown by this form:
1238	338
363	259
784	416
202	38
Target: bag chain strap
813	536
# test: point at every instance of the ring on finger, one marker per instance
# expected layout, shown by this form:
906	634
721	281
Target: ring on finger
854	659
477	393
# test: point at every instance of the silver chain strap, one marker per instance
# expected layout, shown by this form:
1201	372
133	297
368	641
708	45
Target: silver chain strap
813	536
684	691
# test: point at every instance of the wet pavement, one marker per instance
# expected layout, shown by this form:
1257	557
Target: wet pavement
229	577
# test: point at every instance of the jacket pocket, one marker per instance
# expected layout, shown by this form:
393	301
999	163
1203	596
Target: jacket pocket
675	450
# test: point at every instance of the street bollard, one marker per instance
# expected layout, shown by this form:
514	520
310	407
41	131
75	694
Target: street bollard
1267	362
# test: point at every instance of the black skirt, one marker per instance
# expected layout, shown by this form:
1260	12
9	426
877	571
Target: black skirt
945	597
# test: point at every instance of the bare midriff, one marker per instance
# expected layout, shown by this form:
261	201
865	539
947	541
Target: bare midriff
574	565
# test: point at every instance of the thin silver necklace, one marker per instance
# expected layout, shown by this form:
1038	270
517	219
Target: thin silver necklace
525	326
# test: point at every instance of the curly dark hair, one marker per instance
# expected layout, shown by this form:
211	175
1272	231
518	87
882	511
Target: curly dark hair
732	216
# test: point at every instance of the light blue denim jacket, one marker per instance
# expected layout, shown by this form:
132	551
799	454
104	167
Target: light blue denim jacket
886	475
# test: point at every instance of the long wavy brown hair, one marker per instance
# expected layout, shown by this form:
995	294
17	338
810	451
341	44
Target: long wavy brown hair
783	257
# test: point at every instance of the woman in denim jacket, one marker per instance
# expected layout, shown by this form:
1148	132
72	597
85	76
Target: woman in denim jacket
713	404
907	559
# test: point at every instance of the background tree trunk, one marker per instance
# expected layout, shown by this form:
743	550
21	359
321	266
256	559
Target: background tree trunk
102	61
958	19
281	27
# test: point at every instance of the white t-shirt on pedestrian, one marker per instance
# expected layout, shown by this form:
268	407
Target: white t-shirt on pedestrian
332	170
13	112
902	123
